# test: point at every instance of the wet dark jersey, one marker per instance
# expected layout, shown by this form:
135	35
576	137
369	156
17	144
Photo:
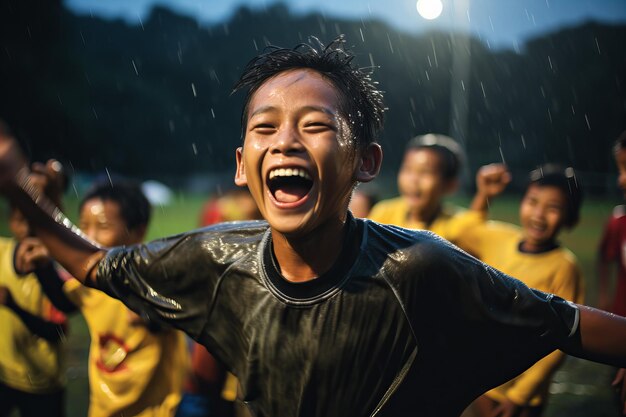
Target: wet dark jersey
403	324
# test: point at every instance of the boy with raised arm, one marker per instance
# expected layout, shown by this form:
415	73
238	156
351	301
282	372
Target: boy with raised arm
318	313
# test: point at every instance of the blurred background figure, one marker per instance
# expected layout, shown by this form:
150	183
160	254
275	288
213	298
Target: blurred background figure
32	331
612	250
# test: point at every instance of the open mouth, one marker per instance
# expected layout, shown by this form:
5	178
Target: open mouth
289	185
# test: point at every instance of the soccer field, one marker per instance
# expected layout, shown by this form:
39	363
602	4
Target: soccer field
580	388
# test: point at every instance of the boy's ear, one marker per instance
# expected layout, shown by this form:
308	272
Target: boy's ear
240	175
369	163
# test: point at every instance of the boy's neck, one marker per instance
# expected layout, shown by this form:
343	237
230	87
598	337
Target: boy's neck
529	247
305	258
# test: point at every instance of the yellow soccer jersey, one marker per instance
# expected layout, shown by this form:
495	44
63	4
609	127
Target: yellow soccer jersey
451	223
555	271
28	362
132	371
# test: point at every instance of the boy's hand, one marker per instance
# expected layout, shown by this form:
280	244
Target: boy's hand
619	383
49	179
12	160
31	254
492	179
6	299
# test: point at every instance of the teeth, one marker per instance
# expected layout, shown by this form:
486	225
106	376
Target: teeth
289	172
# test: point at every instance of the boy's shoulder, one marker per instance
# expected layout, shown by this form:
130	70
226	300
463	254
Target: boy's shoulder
408	247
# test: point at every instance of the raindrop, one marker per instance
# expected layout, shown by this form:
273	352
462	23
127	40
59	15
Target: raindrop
193	89
140	22
362	37
550	116
82	37
109	176
523	141
550	62
195	149
212	112
463	85
491	24
597	45
587	120
256	47
135	67
432	44
573	111
502	155
482	87
94	113
372	60
390	45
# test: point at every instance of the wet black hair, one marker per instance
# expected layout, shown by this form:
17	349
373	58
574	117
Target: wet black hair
450	152
565	179
620	142
361	103
134	207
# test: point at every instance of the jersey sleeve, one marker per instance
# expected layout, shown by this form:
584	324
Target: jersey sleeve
169	281
492	326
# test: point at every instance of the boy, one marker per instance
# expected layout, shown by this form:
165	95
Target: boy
612	249
318	313
136	367
429	172
532	253
31	337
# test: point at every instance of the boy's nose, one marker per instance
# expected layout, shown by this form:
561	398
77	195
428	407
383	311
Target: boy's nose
287	141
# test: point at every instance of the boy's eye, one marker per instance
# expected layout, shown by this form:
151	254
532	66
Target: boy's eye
263	128
319	125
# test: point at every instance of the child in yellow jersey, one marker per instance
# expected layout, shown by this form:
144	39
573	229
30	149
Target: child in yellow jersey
429	172
136	367
31	335
533	254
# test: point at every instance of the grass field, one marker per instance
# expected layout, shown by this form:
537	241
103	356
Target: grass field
580	388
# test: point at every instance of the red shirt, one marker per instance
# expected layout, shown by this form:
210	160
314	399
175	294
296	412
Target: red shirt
613	249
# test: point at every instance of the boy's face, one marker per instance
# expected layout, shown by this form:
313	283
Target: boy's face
298	159
542	213
101	221
620	160
420	179
18	225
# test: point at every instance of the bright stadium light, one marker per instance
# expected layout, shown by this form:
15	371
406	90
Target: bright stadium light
429	9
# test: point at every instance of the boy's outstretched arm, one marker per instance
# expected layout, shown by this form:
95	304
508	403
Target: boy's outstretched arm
65	242
602	337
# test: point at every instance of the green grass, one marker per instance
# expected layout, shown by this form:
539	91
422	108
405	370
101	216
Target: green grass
582	387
